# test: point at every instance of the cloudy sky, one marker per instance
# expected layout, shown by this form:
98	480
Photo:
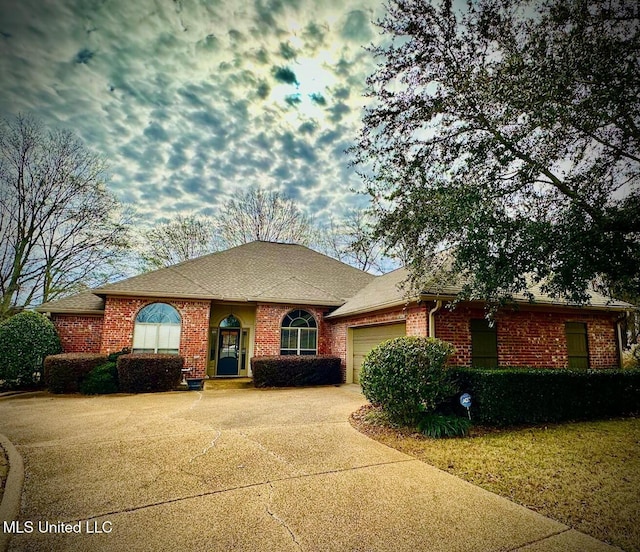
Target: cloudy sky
192	101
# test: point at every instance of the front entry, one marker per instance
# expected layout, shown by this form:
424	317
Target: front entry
228	351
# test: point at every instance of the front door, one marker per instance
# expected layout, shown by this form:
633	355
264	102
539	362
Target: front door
228	351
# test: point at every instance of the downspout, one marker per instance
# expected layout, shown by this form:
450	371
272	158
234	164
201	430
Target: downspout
432	318
619	336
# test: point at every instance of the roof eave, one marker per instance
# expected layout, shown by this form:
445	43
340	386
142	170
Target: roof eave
102	292
84	312
537	303
374	308
209	297
611	308
440	297
296	301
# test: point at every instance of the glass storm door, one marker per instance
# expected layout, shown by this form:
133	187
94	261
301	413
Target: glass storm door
228	352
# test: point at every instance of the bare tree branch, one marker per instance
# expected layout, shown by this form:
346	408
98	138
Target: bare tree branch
261	215
58	223
178	240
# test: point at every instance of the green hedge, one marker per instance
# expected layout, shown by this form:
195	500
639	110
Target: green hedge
65	373
148	372
514	396
295	371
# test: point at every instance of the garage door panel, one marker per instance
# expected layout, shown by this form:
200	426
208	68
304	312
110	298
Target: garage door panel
365	339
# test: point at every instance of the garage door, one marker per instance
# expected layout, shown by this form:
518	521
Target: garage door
365	339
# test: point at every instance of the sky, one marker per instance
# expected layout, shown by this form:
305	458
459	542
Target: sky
191	102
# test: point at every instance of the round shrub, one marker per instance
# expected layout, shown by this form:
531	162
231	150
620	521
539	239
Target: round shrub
101	380
407	377
25	340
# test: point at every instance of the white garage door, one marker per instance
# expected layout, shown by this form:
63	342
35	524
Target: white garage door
365	339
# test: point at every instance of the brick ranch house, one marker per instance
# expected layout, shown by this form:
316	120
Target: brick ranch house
264	298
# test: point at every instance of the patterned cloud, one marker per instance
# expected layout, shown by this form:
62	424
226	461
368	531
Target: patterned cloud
193	101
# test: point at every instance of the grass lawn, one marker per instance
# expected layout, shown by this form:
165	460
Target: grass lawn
585	475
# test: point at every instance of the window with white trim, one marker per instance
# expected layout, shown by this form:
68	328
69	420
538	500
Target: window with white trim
157	329
299	334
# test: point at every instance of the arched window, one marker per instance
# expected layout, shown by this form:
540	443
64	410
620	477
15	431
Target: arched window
299	334
230	322
157	329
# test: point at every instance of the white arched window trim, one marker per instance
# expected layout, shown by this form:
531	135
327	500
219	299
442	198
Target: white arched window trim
299	334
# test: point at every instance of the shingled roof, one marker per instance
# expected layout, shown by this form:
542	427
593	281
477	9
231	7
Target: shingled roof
387	291
80	303
285	273
255	272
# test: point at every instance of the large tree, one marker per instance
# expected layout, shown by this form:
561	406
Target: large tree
182	238
508	133
261	215
60	229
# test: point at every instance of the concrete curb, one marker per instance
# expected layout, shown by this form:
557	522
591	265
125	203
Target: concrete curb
10	505
19	394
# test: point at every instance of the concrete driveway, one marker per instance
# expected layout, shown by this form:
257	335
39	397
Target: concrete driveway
250	470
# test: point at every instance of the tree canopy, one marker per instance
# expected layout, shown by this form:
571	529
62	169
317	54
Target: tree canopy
60	229
258	214
351	240
507	133
182	238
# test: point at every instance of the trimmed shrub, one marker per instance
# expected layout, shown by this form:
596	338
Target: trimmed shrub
65	373
296	371
515	395
102	380
25	340
407	377
148	372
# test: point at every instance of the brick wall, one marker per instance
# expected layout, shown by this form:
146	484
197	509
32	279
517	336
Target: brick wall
532	337
453	327
525	338
269	322
119	320
417	320
79	334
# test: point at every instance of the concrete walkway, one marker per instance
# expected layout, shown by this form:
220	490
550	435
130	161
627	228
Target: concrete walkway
249	470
